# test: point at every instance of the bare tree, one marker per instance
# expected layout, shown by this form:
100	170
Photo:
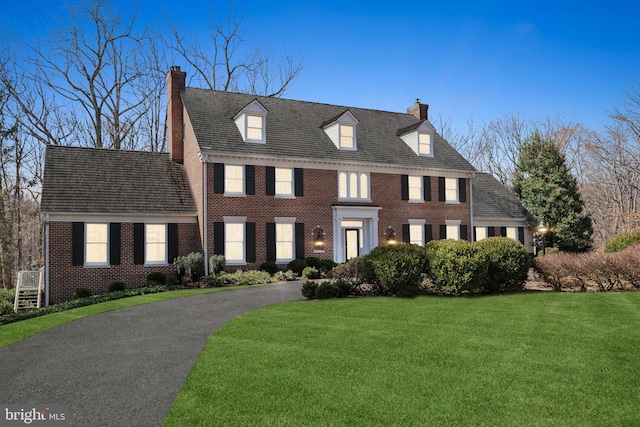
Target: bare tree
82	84
222	61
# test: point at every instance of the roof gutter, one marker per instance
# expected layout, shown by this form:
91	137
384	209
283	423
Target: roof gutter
473	234
205	224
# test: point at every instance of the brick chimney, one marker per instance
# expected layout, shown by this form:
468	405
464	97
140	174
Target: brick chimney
176	80
421	111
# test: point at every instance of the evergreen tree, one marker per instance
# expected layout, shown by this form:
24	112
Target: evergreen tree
547	189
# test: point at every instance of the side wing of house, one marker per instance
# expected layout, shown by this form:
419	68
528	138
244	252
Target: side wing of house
113	216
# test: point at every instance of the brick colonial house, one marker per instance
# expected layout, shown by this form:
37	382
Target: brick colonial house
256	179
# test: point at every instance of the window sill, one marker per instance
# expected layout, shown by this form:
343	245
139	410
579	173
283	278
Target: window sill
234	195
96	266
156	264
236	263
416	201
452	202
284	196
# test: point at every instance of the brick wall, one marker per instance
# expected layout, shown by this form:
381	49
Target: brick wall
64	277
315	208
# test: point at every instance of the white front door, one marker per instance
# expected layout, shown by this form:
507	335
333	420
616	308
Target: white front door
352	243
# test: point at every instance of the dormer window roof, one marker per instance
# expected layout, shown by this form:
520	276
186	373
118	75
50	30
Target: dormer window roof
419	137
341	129
251	122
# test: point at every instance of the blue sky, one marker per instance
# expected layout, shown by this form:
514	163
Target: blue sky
467	60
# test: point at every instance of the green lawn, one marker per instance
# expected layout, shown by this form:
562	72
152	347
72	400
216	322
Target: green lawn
17	331
530	359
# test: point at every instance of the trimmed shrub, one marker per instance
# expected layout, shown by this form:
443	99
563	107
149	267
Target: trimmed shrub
326	266
81	293
6	307
117	286
281	276
456	266
399	268
156	278
270	267
622	241
344	288
313	261
311	273
8	295
191	265
216	281
246	278
508	264
309	289
327	290
216	264
297	265
349	271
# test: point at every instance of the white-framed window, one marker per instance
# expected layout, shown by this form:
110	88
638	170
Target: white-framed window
451	190
481	233
453	230
415	189
347	137
416	234
284	242
425	144
512	233
155	242
353	185
96	244
233	179
234	242
284	182
255	128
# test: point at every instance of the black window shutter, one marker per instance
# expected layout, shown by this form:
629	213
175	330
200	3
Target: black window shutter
218	178
405	233
428	233
475	234
271	181
404	187
462	189
503	231
172	237
443	232
271	241
250	230
114	243
298	181
250	179
464	231
441	195
299	240
426	187
491	231
138	243
77	243
521	234
218	238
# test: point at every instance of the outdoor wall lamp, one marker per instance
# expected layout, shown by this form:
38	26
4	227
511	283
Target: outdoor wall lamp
542	231
390	235
318	237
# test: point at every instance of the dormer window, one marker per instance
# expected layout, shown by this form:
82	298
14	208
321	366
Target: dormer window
251	122
419	137
424	144
347	137
342	131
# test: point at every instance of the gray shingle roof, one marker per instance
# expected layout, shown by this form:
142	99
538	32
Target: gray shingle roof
492	200
294	131
88	180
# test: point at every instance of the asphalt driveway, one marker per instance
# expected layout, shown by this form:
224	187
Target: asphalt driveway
124	367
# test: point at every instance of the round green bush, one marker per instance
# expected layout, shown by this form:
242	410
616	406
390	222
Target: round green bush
327	290
216	264
327	265
456	266
270	267
309	289
398	268
313	261
81	293
508	264
157	278
117	286
311	273
297	265
6	307
622	241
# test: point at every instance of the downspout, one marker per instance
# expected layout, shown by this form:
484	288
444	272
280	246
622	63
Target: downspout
205	224
46	260
473	175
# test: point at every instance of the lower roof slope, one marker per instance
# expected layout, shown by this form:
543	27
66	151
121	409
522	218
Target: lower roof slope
97	181
492	200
